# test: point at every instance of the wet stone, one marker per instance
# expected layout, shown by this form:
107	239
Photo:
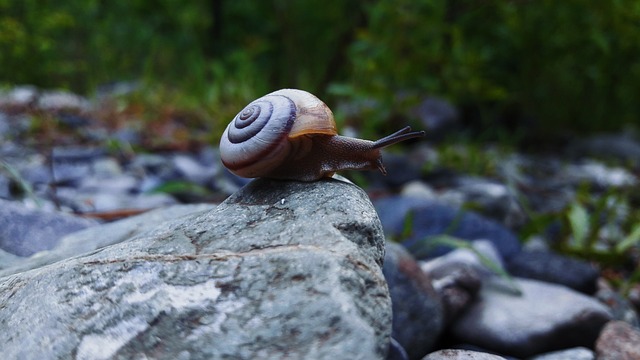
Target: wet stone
555	268
417	312
618	341
429	218
579	353
543	318
24	231
455	354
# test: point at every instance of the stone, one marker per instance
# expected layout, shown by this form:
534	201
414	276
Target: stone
436	114
619	147
599	175
192	171
5	187
417	311
634	295
400	168
621	308
418	189
555	268
62	100
8	260
578	353
4	126
105	201
458	289
99	236
106	167
126	184
430	218
480	255
396	351
19	98
77	153
153	164
491	198
457	277
279	269
113	89
545	317
618	341
25	231
73	121
456	354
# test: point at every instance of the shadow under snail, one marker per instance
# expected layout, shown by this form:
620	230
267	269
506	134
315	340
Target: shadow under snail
291	134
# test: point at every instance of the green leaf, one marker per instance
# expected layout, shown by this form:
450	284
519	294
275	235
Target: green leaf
22	183
176	187
630	240
580	224
407	226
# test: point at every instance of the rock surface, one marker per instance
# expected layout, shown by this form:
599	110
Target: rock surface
455	354
417	311
457	276
279	269
621	308
555	268
579	353
618	341
544	318
25	231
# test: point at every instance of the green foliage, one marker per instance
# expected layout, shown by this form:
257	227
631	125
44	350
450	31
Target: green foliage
606	226
607	229
630	240
178	187
80	44
14	175
580	224
598	226
568	65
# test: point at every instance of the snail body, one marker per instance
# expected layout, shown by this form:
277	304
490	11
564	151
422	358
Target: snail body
291	134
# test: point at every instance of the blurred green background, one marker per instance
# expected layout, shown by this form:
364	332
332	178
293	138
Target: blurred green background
534	67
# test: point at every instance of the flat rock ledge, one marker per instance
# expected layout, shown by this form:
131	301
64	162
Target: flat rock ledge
283	270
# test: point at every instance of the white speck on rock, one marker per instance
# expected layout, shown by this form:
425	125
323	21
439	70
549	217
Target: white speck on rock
106	344
177	296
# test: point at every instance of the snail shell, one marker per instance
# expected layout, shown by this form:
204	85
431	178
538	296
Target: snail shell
291	134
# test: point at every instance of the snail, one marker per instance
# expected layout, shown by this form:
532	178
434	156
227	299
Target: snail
291	134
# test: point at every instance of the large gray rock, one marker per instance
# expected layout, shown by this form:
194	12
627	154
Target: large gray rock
280	269
543	318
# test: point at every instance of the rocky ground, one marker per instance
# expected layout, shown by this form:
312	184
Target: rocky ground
126	234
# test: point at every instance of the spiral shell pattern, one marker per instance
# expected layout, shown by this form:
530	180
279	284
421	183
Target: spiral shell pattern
256	139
